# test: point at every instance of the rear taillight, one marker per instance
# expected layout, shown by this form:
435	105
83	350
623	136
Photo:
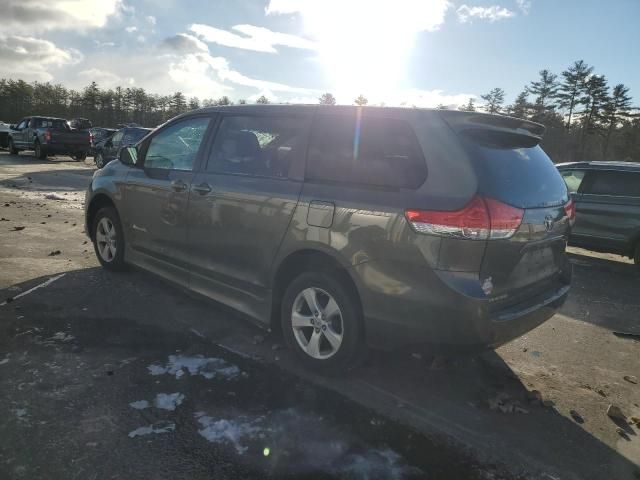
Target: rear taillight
91	139
570	210
47	136
481	219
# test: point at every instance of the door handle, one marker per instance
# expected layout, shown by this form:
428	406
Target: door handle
178	186
202	189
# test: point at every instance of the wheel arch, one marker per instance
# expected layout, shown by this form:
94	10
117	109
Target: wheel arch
100	200
302	260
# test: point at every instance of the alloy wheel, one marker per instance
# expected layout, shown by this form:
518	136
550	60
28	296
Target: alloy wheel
106	239
317	323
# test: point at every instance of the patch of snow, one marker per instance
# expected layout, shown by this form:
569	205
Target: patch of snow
207	367
168	401
160	427
234	431
139	404
376	463
62	336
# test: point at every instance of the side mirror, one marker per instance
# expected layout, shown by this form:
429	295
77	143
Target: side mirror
128	156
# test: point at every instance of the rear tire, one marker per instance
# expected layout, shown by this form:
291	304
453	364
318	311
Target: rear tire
328	336
108	239
636	255
39	151
12	149
81	156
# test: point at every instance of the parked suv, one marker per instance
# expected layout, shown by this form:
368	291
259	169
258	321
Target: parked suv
607	199
346	226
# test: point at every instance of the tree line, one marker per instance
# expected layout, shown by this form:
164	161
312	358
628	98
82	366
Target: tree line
586	119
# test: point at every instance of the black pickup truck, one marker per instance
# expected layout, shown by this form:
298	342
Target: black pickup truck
48	136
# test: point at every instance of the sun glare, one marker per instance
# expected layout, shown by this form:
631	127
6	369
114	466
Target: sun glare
364	46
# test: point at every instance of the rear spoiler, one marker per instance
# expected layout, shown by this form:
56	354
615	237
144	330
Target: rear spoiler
461	121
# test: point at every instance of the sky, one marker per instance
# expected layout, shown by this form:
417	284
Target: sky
397	52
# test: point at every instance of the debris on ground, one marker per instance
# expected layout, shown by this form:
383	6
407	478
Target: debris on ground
534	397
17	229
4	219
576	416
631	379
54	253
601	392
257	339
615	413
276	346
635	421
548	403
417	356
53	196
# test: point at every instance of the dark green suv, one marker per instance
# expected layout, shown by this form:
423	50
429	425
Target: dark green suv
607	199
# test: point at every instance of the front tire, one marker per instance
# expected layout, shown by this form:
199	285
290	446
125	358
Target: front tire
108	239
39	151
99	160
12	149
322	323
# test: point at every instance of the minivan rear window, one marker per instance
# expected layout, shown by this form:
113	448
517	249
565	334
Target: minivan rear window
365	150
512	168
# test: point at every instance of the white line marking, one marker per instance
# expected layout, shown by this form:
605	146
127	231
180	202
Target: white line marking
31	290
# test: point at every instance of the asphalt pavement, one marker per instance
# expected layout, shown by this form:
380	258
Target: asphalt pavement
108	375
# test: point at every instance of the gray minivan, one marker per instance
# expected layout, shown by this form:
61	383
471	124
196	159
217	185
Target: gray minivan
346	226
607	200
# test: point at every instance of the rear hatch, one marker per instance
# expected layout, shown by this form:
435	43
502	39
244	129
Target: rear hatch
527	258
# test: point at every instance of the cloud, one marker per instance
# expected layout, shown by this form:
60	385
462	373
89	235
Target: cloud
31	58
413	15
151	20
257	39
184	43
131	29
492	13
100	44
34	15
104	78
524	6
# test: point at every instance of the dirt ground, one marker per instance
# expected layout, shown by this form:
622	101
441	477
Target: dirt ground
535	408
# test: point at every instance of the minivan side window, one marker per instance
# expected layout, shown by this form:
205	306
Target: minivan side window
176	147
365	150
117	137
262	146
573	179
624	184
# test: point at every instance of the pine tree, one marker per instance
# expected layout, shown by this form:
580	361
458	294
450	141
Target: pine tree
494	99
545	91
468	107
521	106
327	99
571	91
361	100
194	103
178	103
617	109
597	96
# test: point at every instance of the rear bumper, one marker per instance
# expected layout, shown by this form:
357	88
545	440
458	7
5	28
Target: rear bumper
420	306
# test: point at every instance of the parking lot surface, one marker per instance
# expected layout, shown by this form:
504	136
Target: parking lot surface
108	375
